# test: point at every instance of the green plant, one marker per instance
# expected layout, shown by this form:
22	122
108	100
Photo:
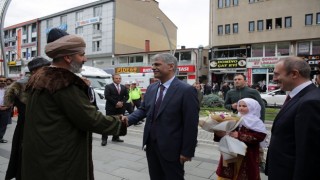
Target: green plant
212	100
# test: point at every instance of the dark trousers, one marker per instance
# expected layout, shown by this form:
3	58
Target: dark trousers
161	169
104	137
4	118
136	103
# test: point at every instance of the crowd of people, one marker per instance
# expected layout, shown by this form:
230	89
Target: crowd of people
57	116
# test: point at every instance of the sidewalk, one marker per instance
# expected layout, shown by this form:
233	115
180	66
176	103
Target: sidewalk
126	161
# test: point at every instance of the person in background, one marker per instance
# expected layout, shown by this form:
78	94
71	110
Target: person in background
129	103
318	75
5	111
252	132
225	88
60	115
200	94
136	95
15	95
9	81
293	152
116	95
171	109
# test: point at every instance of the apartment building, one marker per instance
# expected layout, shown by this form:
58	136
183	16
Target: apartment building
250	36
109	28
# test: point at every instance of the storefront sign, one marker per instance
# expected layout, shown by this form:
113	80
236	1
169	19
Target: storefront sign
263	62
88	21
127	70
313	60
182	69
230	63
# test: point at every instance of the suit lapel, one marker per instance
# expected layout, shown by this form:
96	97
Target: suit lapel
293	101
169	94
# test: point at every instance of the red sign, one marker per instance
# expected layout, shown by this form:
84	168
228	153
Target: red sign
187	68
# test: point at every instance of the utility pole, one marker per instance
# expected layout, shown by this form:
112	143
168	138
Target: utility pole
4	4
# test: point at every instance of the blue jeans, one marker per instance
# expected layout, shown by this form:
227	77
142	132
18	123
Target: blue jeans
4	118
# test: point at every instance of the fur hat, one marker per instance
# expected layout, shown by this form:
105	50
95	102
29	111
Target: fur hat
38	62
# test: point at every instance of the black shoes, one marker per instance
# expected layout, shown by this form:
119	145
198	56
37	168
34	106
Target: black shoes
3	141
103	143
117	140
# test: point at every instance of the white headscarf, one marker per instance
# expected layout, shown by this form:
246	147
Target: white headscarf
252	120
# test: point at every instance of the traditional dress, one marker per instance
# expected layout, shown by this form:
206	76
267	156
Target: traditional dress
252	132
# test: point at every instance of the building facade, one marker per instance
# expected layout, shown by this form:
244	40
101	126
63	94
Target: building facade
250	36
109	28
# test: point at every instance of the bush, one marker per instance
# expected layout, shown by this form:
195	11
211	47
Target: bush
212	100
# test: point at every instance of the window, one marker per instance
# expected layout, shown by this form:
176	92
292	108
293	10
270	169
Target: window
24	54
63	19
283	49
220	30
269	24
33	53
227	3
235	2
251	26
235	28
308	19
316	47
257	50
97	28
318	18
96	46
288	22
49	23
24	41
97	11
227	28
79	15
34	39
304	48
278	23
136	59
220	4
79	30
34	27
24	30
251	1
270	50
260	25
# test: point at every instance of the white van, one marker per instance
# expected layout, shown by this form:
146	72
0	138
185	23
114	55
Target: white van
99	79
143	80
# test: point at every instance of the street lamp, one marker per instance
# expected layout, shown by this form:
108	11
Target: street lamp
165	30
199	61
4	4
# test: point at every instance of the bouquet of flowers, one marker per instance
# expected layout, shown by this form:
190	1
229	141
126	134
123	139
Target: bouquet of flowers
227	122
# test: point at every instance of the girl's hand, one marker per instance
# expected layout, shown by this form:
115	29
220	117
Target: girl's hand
234	134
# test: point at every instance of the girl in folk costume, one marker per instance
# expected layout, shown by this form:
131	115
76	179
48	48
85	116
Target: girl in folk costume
252	132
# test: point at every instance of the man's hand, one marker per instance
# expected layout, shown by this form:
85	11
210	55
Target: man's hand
119	104
183	159
124	119
219	133
234	105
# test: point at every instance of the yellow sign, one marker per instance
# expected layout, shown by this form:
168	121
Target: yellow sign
127	70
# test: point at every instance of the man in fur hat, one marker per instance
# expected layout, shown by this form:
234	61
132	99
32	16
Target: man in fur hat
57	135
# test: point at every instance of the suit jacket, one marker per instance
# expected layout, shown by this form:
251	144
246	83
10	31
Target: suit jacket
112	96
294	148
177	119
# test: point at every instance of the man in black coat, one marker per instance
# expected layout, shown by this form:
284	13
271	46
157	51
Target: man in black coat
295	142
116	95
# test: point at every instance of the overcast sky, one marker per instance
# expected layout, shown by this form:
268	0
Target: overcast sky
190	16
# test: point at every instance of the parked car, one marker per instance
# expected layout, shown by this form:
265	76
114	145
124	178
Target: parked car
274	98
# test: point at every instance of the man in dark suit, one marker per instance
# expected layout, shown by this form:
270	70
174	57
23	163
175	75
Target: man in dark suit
116	95
170	132
295	142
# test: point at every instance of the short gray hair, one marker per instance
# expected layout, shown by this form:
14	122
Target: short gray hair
167	58
291	63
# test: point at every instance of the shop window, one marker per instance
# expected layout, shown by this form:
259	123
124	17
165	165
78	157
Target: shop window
220	30
185	56
260	25
235	28
304	48
251	26
227	28
316	47
257	50
308	19
220	4
270	49
123	60
288	22
269	24
278	23
283	49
